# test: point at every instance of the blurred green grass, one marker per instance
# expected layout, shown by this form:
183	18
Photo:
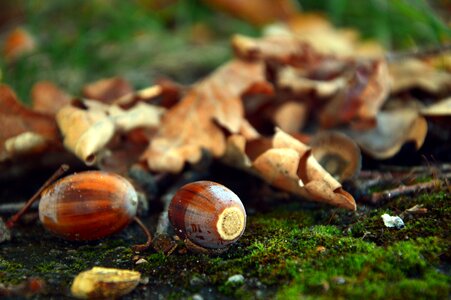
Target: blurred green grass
82	41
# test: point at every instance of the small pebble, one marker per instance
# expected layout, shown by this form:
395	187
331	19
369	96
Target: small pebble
237	278
197	297
392	221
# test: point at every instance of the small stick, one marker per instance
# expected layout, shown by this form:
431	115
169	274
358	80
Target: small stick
142	247
61	170
403	190
418	53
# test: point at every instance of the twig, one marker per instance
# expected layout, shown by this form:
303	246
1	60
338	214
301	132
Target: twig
61	170
418	53
403	190
10	208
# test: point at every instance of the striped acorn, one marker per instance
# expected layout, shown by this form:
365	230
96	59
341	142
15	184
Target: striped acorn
207	216
88	205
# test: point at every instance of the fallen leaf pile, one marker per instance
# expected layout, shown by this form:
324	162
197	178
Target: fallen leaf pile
288	108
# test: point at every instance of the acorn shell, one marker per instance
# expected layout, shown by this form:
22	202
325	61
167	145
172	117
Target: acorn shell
207	214
88	205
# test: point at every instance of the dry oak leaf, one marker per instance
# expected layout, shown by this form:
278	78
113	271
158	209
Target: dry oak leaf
198	120
257	12
23	130
88	127
296	81
288	164
284	49
318	31
362	97
394	128
412	73
107	90
47	98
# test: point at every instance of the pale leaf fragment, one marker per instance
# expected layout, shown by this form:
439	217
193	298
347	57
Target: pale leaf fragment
407	74
439	109
107	283
291	116
295	80
394	128
87	131
25	143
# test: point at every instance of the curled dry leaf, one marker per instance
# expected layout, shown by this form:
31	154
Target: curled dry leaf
88	129
296	80
47	98
394	128
195	122
362	97
23	130
284	49
288	164
104	283
407	74
107	90
439	109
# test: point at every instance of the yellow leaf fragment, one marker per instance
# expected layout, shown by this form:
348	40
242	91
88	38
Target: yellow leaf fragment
102	282
25	143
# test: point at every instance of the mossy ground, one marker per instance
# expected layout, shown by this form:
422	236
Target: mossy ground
290	251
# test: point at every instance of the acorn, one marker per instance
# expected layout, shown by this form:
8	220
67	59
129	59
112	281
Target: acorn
86	206
207	216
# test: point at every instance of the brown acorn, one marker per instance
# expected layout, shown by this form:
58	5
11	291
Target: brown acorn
88	205
207	216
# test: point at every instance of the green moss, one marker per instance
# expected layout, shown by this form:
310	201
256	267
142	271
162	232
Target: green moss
288	253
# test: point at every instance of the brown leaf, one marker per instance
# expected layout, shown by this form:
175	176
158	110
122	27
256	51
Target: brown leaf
195	122
107	90
362	98
17	43
394	128
319	32
23	130
284	49
288	164
47	98
257	12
